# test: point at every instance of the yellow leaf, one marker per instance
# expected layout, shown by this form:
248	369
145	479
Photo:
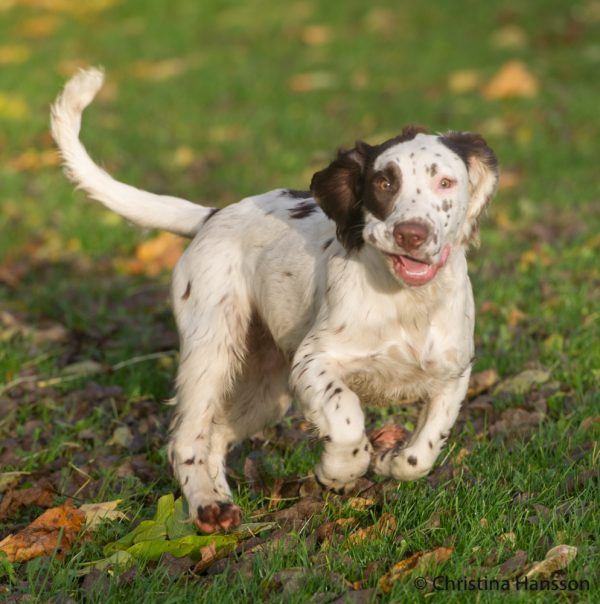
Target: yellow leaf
32	159
512	80
316	35
155	255
96	513
482	381
183	157
13	54
39	27
418	561
384	526
463	80
159	70
510	37
13	107
315	80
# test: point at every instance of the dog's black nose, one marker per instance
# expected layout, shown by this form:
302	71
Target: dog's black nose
411	235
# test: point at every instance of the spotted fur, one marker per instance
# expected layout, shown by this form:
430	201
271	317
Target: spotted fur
312	296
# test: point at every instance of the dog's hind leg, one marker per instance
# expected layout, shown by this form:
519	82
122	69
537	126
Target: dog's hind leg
213	321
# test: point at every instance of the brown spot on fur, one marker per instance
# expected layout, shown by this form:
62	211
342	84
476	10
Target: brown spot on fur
188	290
303	209
190	461
327	244
412	460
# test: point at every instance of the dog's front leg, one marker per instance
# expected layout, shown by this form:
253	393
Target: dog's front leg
435	422
336	412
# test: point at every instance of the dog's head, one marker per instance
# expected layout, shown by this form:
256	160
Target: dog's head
413	198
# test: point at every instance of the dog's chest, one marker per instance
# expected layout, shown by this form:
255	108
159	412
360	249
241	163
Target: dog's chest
404	363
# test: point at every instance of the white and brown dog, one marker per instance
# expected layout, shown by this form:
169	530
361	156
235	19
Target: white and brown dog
356	289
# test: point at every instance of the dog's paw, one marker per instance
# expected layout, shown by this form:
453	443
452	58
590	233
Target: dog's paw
409	464
334	485
222	515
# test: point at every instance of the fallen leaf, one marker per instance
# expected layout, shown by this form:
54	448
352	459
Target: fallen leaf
34	159
56	527
522	382
360	504
516	420
557	558
389	436
9	480
509	179
509	537
510	37
460	456
13	107
14	54
158	71
121	437
515	563
512	80
463	80
315	80
515	316
585	425
38	27
482	381
155	255
42	496
298	513
316	35
385	525
418	561
96	513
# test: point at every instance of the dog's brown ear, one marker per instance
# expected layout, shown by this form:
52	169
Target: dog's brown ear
482	167
338	190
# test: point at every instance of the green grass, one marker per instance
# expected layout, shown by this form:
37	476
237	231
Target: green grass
535	277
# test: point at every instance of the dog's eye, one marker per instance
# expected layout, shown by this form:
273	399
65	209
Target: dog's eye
446	183
382	183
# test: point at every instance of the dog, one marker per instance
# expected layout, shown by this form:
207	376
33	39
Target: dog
357	289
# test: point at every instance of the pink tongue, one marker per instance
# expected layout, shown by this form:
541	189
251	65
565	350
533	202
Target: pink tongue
412	265
414	272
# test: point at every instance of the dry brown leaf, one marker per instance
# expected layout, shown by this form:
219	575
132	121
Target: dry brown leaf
361	504
389	436
482	381
460	456
420	560
514	564
41	495
316	35
386	525
509	179
155	255
589	422
96	513
315	80
512	80
55	527
158	71
557	558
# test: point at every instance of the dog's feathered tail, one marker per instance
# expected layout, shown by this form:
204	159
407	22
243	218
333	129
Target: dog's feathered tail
140	207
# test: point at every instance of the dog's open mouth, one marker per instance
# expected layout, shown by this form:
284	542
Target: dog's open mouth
416	272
